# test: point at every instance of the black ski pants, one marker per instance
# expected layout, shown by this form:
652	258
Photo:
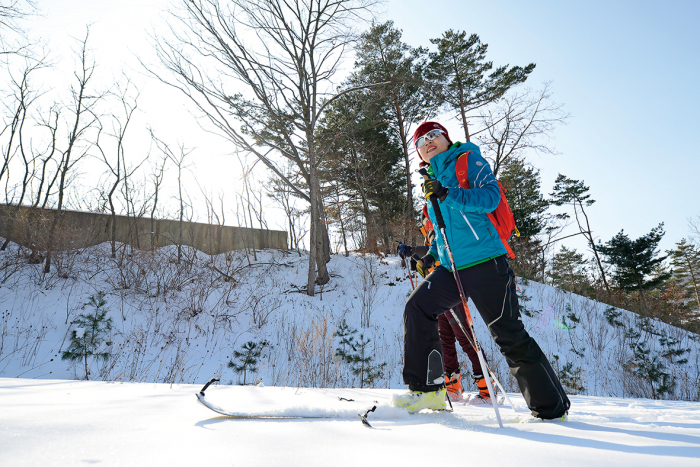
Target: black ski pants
491	286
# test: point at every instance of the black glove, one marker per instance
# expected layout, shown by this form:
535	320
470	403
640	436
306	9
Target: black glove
434	187
403	250
422	265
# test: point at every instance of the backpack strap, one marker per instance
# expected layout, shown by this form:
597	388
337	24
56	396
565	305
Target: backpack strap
504	232
511	253
462	170
427	230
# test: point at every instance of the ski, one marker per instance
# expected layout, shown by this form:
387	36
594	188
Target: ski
241	416
201	398
342	414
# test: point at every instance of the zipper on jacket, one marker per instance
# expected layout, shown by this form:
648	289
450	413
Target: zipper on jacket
469	224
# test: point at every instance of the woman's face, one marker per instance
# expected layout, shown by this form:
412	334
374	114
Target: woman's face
432	148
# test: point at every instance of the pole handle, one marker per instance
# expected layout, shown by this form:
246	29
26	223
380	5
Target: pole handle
434	201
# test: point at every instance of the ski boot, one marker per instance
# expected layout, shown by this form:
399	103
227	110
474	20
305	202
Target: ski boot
483	397
453	383
415	401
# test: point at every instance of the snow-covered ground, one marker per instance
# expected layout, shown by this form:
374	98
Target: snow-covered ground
66	423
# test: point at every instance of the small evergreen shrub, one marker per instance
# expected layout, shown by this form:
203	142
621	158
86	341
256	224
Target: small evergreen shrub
247	359
571	378
357	355
91	331
611	315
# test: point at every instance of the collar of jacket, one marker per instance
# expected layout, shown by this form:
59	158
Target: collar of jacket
441	162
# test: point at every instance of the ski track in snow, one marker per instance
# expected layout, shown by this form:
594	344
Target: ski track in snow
58	422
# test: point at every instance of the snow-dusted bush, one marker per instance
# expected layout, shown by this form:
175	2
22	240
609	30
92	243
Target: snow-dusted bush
90	331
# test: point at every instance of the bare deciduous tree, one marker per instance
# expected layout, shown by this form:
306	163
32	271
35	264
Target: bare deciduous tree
259	71
179	160
157	175
25	96
521	122
50	122
117	167
83	118
12	12
694	225
283	195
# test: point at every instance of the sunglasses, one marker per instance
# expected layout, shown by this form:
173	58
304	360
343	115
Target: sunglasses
429	136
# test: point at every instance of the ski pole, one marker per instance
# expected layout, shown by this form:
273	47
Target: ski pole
408	267
477	347
409	273
482	362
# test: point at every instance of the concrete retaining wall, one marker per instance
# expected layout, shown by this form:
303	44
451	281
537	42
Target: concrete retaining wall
31	226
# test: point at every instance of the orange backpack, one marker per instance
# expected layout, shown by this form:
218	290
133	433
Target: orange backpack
501	217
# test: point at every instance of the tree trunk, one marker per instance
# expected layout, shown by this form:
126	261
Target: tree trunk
365	206
462	110
641	294
182	212
311	274
464	122
409	185
340	218
692	277
316	256
323	251
322	254
250	214
589	237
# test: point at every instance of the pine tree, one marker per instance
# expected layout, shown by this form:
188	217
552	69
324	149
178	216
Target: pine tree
523	191
672	349
362	364
405	100
346	345
363	173
685	259
611	315
569	271
635	260
575	193
650	368
247	360
92	331
357	355
522	185
462	77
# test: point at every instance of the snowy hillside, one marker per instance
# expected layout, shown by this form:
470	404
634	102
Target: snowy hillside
176	326
182	323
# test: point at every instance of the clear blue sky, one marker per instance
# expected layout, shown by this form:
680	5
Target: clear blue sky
626	71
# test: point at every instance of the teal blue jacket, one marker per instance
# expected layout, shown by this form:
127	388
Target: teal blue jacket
471	235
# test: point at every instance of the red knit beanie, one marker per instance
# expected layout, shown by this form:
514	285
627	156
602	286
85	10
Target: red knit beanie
425	127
